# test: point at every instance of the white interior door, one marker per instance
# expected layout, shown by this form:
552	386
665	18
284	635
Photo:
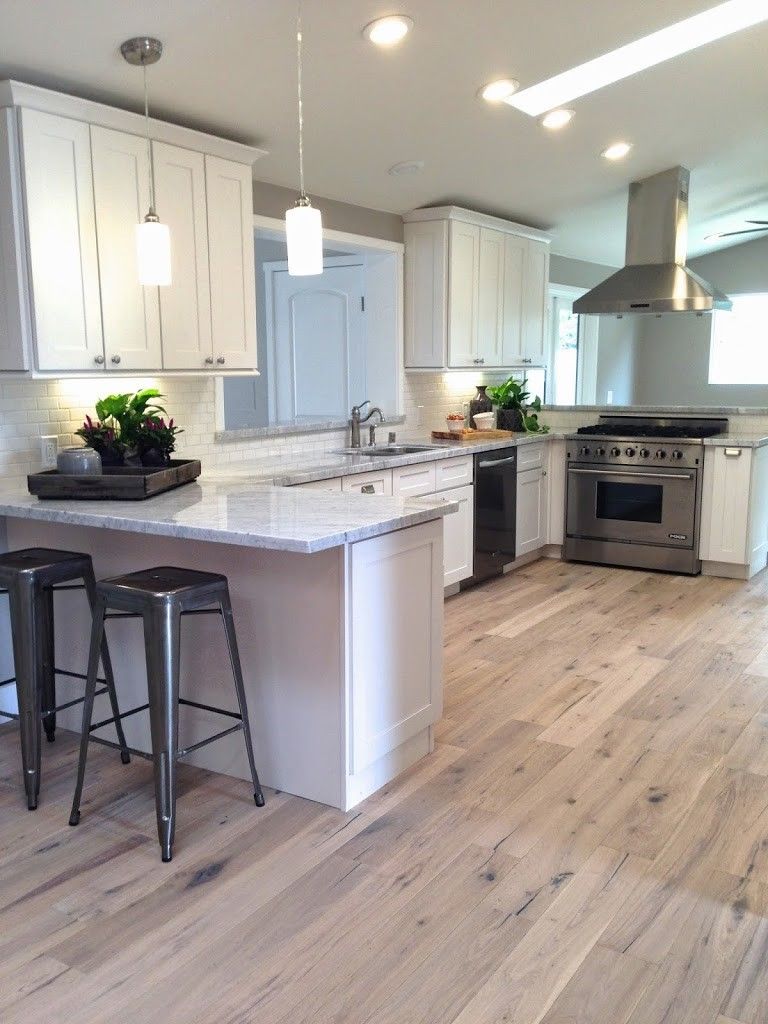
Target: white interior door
312	380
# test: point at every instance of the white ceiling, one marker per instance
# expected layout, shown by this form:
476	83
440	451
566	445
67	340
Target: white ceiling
230	67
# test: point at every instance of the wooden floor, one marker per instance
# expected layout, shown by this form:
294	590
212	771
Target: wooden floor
587	845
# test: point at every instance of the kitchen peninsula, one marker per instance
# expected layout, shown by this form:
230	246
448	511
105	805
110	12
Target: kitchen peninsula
338	603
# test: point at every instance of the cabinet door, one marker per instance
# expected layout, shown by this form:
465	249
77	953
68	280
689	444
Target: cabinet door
725	505
15	327
426	293
463	274
229	189
61	227
458	536
413	481
515	256
369	483
334	485
130	311
535	300
532	513
185	305
490	297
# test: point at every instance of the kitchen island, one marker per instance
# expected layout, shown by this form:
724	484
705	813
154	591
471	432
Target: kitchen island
338	602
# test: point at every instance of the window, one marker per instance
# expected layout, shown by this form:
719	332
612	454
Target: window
738	352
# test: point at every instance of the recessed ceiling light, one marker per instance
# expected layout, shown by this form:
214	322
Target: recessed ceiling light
717	22
388	31
617	151
498	91
407	167
557	118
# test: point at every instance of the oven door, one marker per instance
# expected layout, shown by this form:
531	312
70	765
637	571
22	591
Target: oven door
641	506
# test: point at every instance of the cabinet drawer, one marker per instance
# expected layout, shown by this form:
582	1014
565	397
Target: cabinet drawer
334	484
530	456
414	480
453	473
380	482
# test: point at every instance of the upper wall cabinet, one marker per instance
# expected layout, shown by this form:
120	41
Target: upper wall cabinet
74	183
475	291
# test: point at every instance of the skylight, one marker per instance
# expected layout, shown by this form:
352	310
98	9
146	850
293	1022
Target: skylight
682	37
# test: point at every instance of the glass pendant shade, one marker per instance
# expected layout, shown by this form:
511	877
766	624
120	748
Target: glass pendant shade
304	235
153	252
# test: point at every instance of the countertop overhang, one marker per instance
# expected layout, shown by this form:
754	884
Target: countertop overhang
236	510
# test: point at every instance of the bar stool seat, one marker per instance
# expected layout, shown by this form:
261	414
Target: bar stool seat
160	596
30	577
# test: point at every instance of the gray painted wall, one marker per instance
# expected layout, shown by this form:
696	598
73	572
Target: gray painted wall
273	200
673	351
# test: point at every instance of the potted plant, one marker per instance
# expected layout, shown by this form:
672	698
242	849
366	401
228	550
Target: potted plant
515	412
103	439
156	441
121	418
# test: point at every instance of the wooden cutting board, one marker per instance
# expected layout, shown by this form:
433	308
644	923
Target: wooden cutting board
467	434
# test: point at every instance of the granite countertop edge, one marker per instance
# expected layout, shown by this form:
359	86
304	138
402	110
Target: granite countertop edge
736	441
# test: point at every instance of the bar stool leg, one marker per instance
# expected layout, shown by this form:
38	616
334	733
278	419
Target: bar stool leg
48	677
90	588
162	641
97	635
237	672
26	609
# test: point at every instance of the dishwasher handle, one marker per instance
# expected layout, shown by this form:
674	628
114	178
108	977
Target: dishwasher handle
496	462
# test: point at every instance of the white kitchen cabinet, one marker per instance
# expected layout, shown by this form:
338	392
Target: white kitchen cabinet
413	481
74	183
476	291
229	190
379	482
459	536
61	242
426	268
734	511
185	304
332	485
130	311
532	524
463	277
450	473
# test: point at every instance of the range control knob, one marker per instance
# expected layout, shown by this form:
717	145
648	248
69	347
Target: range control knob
629	451
615	452
661	454
584	451
644	453
599	451
677	454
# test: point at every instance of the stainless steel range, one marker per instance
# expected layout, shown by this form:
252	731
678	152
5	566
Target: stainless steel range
634	491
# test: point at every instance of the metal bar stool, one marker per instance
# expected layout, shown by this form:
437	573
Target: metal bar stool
161	596
30	578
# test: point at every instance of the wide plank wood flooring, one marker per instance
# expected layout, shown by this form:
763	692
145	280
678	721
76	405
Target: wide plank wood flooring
587	845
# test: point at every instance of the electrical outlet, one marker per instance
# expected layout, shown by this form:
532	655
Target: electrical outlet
49	449
609	398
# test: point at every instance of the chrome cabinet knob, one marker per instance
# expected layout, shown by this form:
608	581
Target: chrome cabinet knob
220	360
208	360
99	360
116	360
478	361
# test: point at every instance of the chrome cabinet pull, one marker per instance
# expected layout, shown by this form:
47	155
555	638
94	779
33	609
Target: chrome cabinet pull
99	360
220	360
732	453
368	489
116	360
208	360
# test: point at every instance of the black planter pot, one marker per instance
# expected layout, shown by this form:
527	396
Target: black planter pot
510	419
111	455
153	457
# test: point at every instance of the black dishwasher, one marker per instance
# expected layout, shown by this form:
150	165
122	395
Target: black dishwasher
495	512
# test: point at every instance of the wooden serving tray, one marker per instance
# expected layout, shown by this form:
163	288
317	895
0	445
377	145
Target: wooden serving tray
118	483
468	434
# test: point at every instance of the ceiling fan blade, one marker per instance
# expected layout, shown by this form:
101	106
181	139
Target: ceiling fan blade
758	222
745	231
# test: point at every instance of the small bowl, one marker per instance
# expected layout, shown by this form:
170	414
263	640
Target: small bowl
483	420
455	426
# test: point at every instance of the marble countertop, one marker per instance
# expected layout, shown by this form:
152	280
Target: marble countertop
736	441
325	467
233	510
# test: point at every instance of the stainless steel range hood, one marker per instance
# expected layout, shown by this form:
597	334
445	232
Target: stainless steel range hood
655	278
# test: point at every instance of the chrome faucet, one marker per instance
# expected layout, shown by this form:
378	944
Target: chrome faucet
357	419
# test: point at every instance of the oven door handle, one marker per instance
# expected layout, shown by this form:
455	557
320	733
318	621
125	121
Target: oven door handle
632	473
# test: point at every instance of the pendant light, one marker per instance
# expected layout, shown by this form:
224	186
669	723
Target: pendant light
303	223
153	239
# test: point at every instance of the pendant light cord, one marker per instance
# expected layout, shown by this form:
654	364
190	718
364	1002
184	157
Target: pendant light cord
149	143
299	60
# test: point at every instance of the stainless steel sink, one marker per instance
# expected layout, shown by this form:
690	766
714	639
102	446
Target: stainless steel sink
376	450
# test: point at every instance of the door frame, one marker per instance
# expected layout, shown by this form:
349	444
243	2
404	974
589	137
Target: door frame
280	267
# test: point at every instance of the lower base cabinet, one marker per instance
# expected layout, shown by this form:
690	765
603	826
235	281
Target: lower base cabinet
458	536
532	524
734	511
